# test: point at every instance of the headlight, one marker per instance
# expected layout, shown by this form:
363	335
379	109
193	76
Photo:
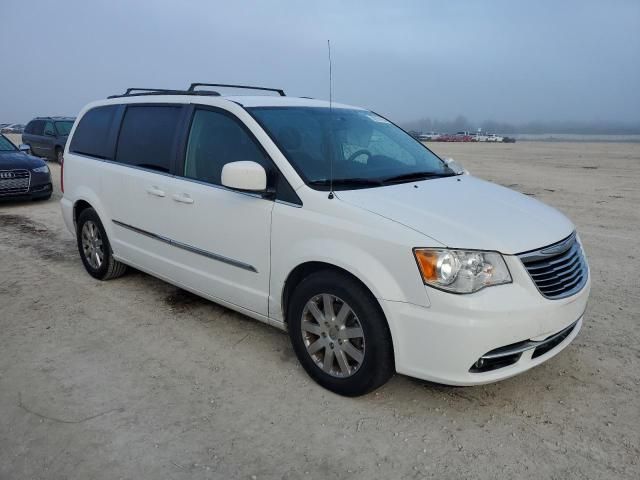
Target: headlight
43	169
461	271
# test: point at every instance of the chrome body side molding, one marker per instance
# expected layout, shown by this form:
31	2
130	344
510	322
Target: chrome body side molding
189	248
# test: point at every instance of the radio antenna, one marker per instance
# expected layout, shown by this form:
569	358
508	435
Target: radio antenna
331	149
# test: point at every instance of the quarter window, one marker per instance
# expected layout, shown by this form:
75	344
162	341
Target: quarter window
92	135
215	140
147	137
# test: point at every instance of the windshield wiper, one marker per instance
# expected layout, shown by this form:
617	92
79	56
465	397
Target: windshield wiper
346	182
416	176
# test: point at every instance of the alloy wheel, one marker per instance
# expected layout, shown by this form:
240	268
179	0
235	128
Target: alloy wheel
92	245
333	335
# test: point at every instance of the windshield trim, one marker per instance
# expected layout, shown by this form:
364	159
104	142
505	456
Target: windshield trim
345	184
308	182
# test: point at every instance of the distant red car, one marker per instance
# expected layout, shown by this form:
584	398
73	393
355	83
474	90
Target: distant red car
463	137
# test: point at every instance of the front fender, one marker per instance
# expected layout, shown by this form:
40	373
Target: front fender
379	254
379	279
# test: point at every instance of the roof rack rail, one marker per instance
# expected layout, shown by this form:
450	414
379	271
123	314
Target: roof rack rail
137	92
193	87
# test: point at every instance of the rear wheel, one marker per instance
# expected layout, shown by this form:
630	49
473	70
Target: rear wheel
339	334
59	155
94	247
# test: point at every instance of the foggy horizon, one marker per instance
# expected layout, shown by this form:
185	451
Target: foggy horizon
569	62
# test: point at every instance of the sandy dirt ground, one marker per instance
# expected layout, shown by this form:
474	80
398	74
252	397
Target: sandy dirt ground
135	378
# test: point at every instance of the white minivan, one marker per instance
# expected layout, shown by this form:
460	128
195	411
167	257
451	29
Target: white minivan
330	222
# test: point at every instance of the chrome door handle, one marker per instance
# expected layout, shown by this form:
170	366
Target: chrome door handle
182	198
155	191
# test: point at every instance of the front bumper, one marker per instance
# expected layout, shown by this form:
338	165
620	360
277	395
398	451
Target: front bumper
41	190
441	343
36	191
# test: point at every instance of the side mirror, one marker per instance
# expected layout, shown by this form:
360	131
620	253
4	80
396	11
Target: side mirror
455	166
245	176
24	148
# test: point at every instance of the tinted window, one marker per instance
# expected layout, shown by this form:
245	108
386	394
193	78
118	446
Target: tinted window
64	128
215	140
38	127
147	136
48	129
92	135
29	128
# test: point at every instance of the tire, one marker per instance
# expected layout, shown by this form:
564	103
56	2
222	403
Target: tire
92	241
369	358
58	155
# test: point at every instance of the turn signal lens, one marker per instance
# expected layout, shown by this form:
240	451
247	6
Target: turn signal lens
461	271
427	260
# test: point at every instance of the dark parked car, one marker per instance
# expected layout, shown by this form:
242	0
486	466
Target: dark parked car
47	136
22	175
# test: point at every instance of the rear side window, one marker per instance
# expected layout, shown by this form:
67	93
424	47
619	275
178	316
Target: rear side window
147	136
29	127
215	140
92	135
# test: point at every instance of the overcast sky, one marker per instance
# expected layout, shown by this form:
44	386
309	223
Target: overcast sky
499	60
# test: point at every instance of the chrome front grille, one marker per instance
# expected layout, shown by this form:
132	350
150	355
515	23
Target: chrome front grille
14	182
558	270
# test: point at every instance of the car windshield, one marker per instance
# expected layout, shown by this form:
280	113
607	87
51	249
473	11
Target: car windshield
64	128
367	150
6	145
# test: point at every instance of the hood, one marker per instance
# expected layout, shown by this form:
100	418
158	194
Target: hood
12	160
466	212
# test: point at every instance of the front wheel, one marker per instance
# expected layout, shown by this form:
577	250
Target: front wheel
339	334
94	248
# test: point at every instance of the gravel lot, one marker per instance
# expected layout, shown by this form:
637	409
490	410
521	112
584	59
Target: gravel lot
135	378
